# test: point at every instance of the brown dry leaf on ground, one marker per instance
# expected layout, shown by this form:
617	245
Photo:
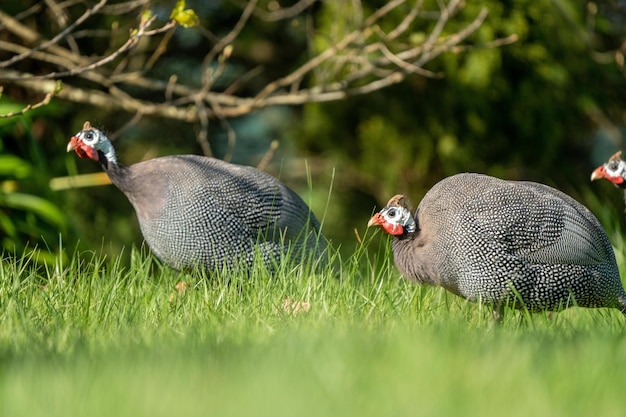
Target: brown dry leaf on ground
293	308
180	289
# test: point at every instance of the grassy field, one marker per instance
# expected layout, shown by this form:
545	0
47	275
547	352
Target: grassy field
90	337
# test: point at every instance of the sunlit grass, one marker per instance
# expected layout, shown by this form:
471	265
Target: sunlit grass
89	336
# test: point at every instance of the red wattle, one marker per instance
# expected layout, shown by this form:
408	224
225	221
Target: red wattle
393	229
85	151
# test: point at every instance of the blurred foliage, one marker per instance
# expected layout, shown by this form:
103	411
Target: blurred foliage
30	213
538	109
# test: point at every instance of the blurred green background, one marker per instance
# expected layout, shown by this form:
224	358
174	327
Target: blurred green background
548	108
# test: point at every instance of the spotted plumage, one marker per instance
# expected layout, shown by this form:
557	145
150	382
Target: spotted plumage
200	211
499	242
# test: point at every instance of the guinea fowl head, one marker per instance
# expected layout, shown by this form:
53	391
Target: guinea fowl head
93	144
614	170
395	218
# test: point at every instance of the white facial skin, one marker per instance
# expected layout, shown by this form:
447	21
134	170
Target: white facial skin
97	140
395	216
615	168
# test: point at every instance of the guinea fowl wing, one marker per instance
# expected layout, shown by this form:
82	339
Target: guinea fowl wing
533	222
249	199
535	225
264	204
579	238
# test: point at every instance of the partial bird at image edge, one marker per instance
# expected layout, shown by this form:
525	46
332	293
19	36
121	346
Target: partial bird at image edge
614	171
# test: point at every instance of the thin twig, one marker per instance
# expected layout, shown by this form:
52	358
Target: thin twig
130	43
406	22
203	134
407	66
160	49
45	101
267	158
88	13
283	13
234	32
132	122
230	132
34	9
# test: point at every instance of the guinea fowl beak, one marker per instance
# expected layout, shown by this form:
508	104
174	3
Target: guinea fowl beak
598	173
376	220
72	144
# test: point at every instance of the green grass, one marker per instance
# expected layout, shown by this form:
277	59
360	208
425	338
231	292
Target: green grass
90	337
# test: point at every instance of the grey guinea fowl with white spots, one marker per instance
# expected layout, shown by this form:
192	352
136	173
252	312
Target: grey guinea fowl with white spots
196	211
504	242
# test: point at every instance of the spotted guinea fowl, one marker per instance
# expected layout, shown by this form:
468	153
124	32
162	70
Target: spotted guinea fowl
504	242
614	171
200	211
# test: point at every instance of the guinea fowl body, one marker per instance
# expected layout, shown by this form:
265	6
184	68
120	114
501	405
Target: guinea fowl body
496	241
200	211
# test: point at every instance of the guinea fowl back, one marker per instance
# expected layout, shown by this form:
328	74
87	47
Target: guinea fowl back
493	240
537	222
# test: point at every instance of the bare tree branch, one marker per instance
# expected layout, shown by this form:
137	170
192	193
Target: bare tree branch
58	37
356	61
280	13
232	35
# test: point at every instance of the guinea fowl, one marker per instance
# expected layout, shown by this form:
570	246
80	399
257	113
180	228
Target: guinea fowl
200	211
504	242
614	171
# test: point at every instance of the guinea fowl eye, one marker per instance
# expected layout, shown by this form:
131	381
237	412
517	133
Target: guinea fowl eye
392	212
613	165
89	136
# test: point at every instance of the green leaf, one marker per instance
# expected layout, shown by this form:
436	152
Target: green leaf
13	166
184	17
7	226
36	205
